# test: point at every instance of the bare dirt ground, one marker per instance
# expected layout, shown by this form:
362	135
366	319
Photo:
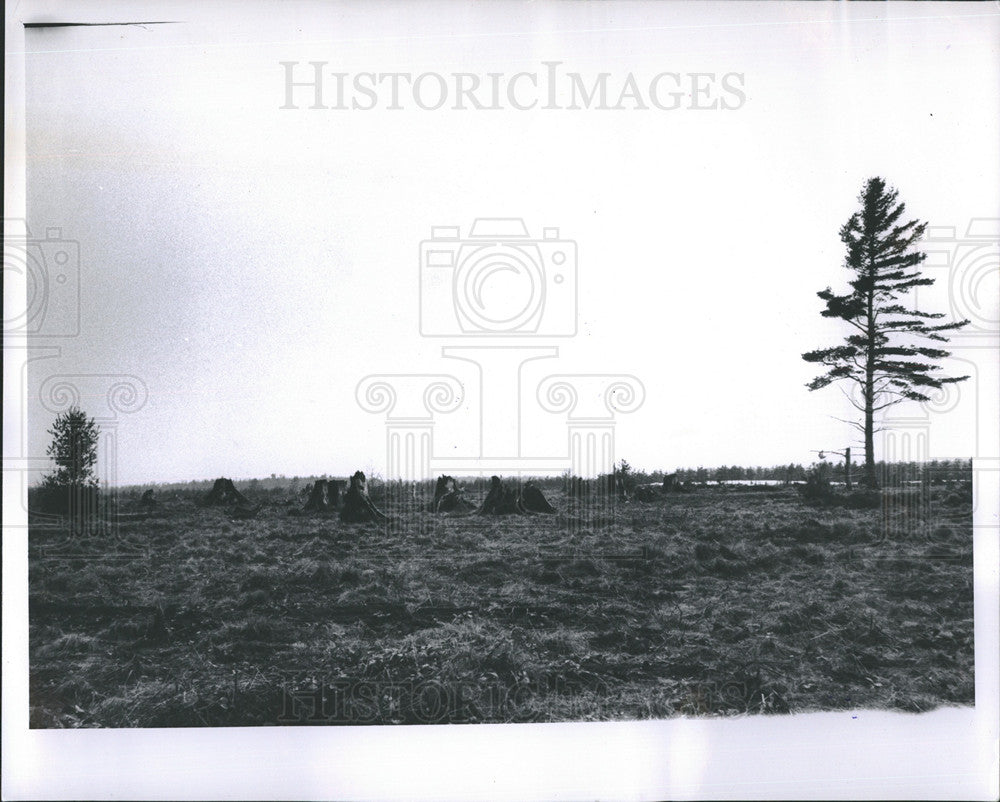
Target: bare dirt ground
717	602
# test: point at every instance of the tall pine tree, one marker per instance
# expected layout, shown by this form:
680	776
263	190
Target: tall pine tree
74	450
886	355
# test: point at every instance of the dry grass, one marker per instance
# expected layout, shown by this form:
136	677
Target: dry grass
721	601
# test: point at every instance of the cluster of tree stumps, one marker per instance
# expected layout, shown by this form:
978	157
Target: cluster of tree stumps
504	499
356	506
351	500
325	496
352	505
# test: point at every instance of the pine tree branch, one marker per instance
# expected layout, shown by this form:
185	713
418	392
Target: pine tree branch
853	423
899	309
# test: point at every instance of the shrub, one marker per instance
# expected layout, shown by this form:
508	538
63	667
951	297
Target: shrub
961	496
863	499
817	486
62	499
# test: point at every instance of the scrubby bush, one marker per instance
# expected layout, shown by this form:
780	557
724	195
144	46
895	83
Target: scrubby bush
817	486
961	496
63	499
863	499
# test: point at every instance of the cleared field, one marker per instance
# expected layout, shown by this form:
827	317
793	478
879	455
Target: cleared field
721	601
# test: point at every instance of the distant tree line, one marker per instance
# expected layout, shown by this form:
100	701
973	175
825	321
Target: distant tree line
942	470
796	472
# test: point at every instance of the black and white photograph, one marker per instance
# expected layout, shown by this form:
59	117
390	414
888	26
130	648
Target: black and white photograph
503	400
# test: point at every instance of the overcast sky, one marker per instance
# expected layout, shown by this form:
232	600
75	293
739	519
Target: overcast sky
251	264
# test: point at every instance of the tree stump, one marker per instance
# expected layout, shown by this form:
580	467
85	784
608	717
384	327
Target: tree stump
325	496
532	499
500	500
645	493
448	497
335	492
358	507
224	494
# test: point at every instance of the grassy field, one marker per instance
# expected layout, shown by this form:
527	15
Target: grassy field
722	601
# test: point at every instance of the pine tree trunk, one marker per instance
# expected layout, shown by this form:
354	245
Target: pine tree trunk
870	479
